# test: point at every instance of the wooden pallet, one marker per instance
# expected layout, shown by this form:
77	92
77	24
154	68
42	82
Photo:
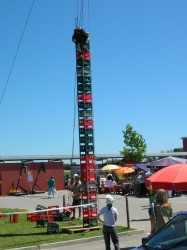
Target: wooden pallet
78	229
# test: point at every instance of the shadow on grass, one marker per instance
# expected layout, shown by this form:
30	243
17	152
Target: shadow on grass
30	234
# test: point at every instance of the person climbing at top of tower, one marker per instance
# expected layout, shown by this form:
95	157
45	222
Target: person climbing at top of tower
80	36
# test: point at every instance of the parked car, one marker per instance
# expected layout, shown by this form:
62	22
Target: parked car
172	236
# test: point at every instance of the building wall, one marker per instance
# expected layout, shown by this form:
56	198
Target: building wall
184	140
12	179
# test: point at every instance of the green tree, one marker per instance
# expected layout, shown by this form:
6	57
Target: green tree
178	150
172	150
135	146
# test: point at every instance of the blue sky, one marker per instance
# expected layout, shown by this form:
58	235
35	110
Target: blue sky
139	74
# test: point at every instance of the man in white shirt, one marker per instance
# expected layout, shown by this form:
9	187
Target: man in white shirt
110	214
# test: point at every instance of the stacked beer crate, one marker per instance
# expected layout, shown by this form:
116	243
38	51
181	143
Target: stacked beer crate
86	126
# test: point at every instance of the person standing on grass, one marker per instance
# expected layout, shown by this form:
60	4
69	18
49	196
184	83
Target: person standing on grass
51	186
76	195
110	215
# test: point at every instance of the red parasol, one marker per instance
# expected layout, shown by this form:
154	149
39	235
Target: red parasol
173	177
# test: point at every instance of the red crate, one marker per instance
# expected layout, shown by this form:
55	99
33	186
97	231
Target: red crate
54	211
85	98
88	173
88	166
90	196
88	177
32	217
89	187
89	214
86	123
85	55
2	216
87	159
36	217
47	217
87	169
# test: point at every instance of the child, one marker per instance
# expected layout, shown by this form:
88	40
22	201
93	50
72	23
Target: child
109	223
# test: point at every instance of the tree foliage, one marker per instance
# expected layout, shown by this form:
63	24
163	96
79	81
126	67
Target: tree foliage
178	150
172	150
135	146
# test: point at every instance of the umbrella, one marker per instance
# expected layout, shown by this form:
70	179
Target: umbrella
109	167
124	170
167	161
130	166
142	166
173	177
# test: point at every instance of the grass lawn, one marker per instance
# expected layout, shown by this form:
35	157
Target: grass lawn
25	233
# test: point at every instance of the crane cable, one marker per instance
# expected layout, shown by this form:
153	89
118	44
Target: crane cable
81	14
17	50
89	16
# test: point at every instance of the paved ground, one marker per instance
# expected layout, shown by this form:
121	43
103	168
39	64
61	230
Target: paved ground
138	212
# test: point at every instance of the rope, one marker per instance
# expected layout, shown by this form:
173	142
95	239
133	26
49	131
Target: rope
81	13
89	16
15	56
60	208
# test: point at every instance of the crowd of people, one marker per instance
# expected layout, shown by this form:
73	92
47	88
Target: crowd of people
128	184
160	211
131	183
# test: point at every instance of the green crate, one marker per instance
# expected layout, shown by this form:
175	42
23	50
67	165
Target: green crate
84	131
90	222
86	139
83	63
42	223
58	217
40	207
52	228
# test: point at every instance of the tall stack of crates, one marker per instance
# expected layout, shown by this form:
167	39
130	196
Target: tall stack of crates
86	126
